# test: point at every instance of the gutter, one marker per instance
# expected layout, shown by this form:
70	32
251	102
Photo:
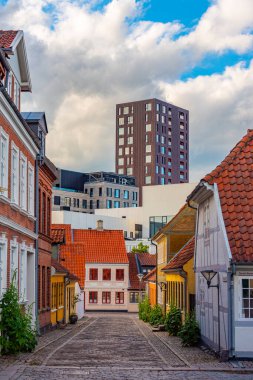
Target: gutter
37	163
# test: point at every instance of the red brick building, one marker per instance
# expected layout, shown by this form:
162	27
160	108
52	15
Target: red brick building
18	152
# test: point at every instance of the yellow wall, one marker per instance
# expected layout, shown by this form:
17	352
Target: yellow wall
152	293
57	298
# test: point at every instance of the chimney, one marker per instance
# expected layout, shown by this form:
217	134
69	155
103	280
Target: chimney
100	225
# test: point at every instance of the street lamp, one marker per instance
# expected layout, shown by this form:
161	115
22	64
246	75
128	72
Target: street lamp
209	274
140	277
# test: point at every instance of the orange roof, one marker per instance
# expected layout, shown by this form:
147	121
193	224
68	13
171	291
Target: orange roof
60	268
58	235
73	257
7	37
147	259
107	246
234	178
182	257
64	227
133	271
150	276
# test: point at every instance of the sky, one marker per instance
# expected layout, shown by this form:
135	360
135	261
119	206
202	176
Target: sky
86	56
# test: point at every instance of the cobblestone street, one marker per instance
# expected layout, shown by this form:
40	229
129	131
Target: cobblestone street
115	346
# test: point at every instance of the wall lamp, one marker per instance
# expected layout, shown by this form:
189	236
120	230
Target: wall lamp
209	274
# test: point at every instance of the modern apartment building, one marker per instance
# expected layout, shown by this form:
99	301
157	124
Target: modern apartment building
152	142
85	192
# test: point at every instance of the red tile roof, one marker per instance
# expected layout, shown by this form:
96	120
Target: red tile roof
147	259
107	246
66	228
234	179
58	235
58	267
134	283
183	256
7	37
73	257
150	276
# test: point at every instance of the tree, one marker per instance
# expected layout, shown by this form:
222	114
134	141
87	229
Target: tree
141	248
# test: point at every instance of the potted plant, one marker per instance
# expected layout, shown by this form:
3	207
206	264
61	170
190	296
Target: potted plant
73	318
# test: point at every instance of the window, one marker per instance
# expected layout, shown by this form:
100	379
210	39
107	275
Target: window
157	169
130	140
146	117
181	115
163	119
14	263
3	266
119	297
148	180
116	204
158	107
148	159
157	222
106	297
129	171
120	151
91	204
125	204
84	203
169	173
108	203
162	170
23	182
91	192
14	174
169	162
163	109
57	200
109	192
119	274
148	107
169	112
247	298
97	204
125	110
148	127
48	215
181	175
162	150
130	120
157	117
126	194
43	285
181	155
106	274
121	131
181	136
169	122
169	132
181	165
116	193
162	139
169	152
148	148
162	181
121	161
74	202
135	196
181	126
4	151
93	274
100	191
169	142
157	138
121	141
121	121
134	297
127	150
22	275
93	297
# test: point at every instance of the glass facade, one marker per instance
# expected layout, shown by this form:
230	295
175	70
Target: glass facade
157	222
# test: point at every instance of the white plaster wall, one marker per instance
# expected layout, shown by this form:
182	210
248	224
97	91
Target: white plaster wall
80	304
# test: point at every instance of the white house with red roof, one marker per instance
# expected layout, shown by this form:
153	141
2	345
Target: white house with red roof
106	268
224	253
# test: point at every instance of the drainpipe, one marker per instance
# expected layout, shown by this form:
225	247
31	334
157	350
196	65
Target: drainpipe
184	275
37	163
231	311
156	273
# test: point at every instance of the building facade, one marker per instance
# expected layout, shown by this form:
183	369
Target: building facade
152	142
18	154
85	192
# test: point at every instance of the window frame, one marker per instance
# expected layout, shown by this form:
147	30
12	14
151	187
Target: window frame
116	274
119	298
109	272
106	298
93	295
95	270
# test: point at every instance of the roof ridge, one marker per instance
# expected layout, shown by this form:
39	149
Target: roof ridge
230	157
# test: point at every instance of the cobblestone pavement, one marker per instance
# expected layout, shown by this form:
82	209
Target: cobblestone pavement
116	346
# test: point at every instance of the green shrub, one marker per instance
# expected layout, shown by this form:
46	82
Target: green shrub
190	332
17	332
173	320
144	310
156	316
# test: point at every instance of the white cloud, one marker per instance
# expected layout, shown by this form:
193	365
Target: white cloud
92	60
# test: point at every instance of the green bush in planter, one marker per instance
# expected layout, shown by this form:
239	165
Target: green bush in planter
173	320
144	310
190	332
156	316
17	332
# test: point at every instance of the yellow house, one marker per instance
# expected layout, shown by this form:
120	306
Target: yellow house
62	294
150	280
180	279
169	240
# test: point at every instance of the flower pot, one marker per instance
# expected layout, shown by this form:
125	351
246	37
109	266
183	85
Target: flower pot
73	319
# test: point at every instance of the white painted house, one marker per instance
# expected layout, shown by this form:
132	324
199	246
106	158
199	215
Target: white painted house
224	251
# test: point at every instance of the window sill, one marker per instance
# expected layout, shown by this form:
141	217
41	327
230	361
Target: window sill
31	217
4	199
14	206
24	212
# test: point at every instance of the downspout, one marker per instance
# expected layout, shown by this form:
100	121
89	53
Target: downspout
183	274
37	162
156	273
231	311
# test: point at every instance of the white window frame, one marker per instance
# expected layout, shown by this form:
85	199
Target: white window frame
14	264
4	162
3	264
30	190
23	273
14	174
241	317
23	183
